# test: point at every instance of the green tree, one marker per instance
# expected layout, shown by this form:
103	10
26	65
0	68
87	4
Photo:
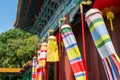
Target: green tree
17	47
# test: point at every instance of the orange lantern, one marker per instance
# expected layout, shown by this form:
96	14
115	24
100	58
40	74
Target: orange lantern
108	8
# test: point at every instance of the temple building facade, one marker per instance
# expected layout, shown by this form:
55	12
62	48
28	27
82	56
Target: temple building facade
40	16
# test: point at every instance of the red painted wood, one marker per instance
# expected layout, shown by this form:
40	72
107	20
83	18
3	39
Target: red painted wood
60	67
44	73
84	44
47	71
64	67
68	69
56	71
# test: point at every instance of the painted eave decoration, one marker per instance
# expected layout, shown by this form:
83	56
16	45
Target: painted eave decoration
26	11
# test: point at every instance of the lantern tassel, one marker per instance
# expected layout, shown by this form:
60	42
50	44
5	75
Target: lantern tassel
110	16
117	57
111	24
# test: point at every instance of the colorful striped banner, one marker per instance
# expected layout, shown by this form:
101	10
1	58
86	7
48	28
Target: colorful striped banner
113	68
99	33
43	53
52	49
108	69
39	73
39	68
116	63
34	68
73	52
102	40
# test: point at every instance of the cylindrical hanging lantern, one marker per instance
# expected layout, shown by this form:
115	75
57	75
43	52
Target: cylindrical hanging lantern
52	48
43	53
103	43
34	68
108	8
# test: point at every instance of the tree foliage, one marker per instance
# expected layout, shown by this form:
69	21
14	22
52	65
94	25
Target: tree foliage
17	47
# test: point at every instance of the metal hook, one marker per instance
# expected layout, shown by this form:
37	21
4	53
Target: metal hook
84	3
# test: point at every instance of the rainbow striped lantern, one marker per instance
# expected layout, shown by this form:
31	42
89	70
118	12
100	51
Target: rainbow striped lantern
43	53
39	73
103	43
73	52
39	68
109	8
34	68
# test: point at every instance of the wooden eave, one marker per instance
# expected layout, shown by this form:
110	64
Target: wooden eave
20	23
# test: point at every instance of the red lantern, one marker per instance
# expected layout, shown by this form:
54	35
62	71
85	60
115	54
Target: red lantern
108	8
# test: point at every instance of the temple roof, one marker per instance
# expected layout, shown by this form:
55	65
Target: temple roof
26	11
35	11
38	16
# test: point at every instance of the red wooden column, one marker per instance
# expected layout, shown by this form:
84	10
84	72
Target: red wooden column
61	57
64	67
56	71
44	73
67	69
47	71
60	70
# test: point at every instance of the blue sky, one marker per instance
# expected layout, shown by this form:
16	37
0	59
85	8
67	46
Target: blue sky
8	9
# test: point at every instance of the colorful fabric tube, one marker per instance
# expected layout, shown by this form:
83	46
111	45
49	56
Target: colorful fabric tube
99	33
39	73
109	72
113	68
34	68
43	53
52	49
116	63
39	68
73	52
102	39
